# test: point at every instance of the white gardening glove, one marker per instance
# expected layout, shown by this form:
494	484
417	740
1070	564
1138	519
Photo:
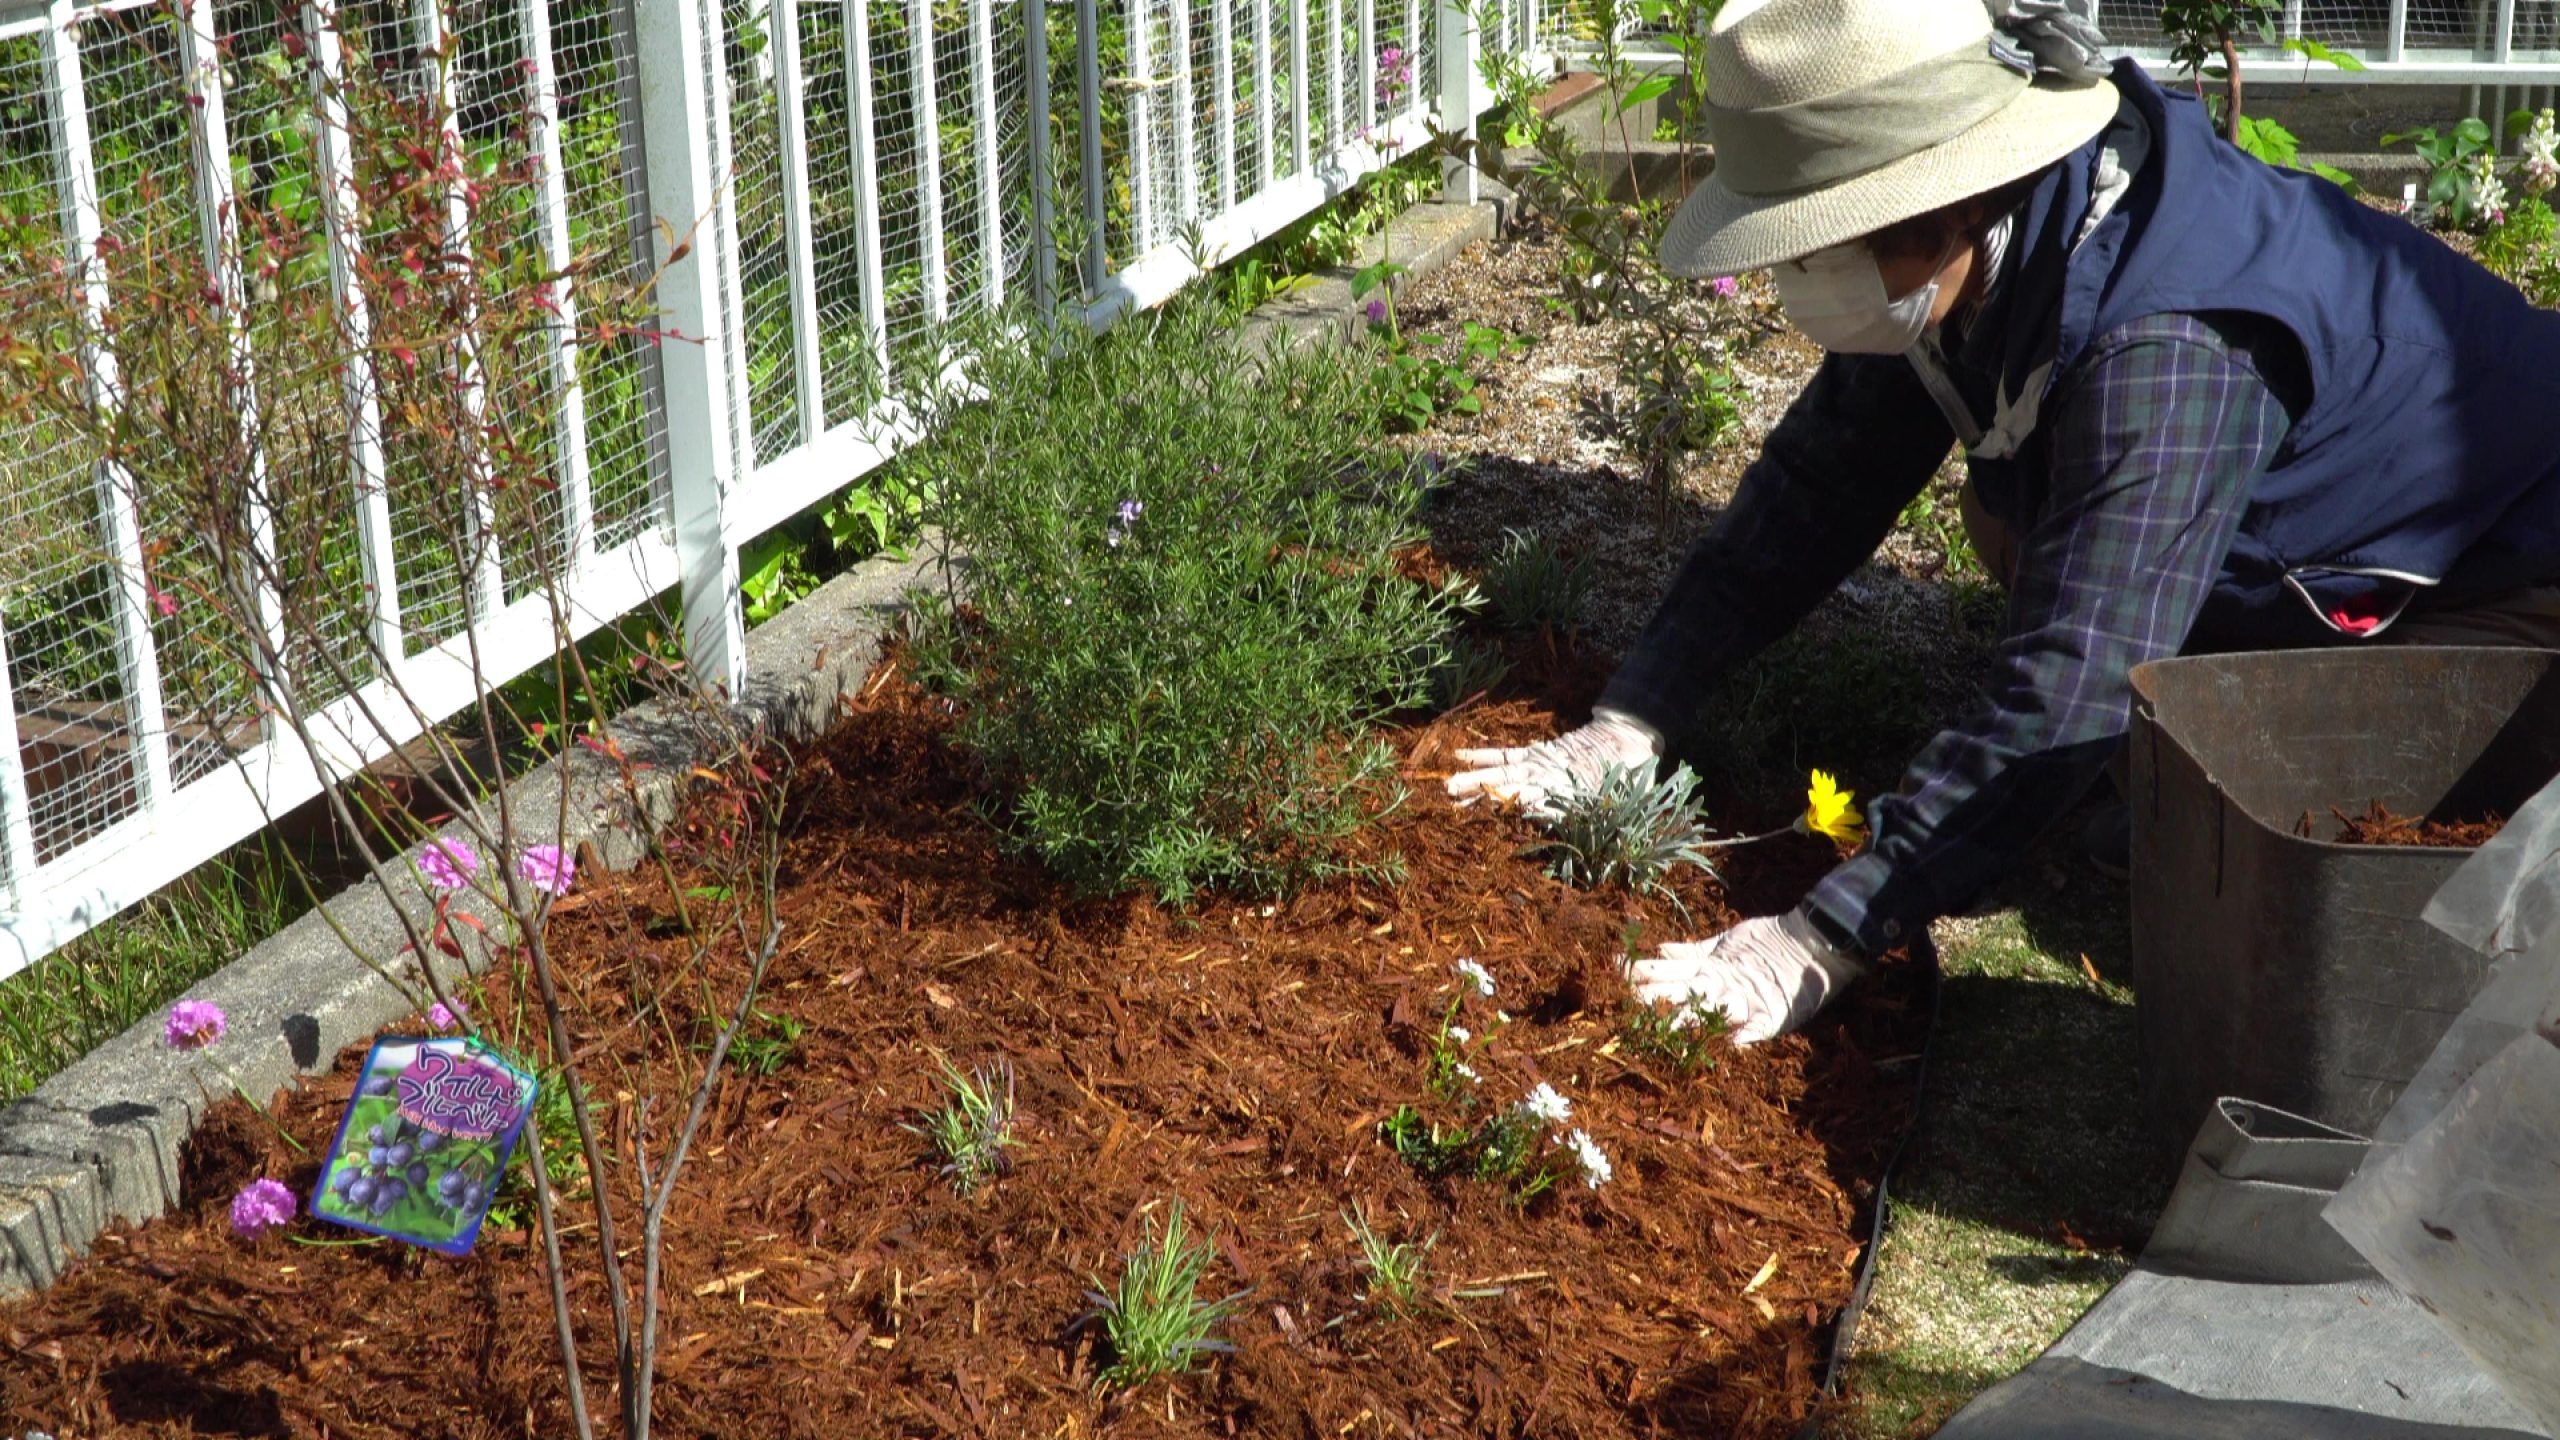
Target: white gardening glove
1533	775
1768	975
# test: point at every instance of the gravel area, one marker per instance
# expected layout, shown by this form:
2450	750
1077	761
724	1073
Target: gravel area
1532	461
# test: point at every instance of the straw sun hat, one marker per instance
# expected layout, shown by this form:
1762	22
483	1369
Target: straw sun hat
1835	118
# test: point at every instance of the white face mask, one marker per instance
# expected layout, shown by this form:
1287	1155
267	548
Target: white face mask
1837	298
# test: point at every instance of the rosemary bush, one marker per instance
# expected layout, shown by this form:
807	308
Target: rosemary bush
1187	609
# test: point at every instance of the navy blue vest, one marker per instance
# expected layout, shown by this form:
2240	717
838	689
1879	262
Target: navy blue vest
2429	442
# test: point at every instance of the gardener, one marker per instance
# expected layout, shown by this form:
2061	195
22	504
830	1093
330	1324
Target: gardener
2205	404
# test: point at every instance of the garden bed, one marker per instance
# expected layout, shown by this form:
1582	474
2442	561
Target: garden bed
826	1281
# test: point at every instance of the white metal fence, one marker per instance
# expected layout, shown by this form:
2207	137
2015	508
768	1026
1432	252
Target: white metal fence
861	169
2401	42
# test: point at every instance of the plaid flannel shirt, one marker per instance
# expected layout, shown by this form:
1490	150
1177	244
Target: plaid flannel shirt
2148	449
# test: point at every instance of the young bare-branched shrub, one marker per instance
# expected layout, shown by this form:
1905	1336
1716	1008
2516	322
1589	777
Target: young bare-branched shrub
342	504
1672	394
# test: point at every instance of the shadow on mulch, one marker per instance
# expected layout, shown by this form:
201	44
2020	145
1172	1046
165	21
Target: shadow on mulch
1238	1058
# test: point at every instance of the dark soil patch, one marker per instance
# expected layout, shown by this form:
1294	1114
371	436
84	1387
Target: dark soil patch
825	1282
2378	826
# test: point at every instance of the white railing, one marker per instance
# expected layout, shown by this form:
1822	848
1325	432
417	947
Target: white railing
848	173
2401	42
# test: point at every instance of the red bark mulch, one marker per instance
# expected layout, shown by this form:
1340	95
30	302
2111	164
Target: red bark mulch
2379	826
825	1282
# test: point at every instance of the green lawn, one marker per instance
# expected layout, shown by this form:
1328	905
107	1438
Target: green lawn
2027	1191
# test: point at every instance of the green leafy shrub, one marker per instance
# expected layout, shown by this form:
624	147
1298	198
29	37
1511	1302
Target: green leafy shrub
1188	611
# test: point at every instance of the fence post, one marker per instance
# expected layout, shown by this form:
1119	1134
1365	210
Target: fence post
1044	170
17	820
1460	48
486	584
1301	123
982	62
673	88
928	103
1142	132
1089	140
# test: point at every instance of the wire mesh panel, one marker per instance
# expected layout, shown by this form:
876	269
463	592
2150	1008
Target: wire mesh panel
58	583
763	257
836	199
602	163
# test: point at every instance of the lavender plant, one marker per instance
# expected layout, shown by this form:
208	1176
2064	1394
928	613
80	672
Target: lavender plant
1394	1267
1153	1319
1532	585
973	1130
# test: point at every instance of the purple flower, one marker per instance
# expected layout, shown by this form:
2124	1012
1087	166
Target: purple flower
194	1024
261	1206
1124	519
448	864
547	869
1395	72
446	1017
1377	312
1725	287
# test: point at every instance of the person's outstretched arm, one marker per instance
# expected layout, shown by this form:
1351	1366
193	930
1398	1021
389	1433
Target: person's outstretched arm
1860	441
2154	447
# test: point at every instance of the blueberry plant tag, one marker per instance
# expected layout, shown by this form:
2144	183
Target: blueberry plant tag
425	1141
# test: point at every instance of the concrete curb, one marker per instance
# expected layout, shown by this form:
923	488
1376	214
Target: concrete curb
1422	239
99	1144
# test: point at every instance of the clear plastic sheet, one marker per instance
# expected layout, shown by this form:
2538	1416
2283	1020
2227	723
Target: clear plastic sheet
2457	1202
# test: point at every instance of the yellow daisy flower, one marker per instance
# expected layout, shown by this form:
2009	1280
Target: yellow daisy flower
1829	810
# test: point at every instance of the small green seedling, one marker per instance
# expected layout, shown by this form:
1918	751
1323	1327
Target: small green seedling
1683	1038
972	1132
1394	1267
767	1044
1471	670
1154	1319
1531	584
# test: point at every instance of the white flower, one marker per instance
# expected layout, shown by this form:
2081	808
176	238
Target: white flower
1476	975
2488	193
1595	1166
1467	1071
2541	144
1546	1104
1461	1034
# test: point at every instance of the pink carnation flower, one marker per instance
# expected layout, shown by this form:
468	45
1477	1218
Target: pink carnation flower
194	1024
261	1206
547	868
1725	287
448	864
445	1017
